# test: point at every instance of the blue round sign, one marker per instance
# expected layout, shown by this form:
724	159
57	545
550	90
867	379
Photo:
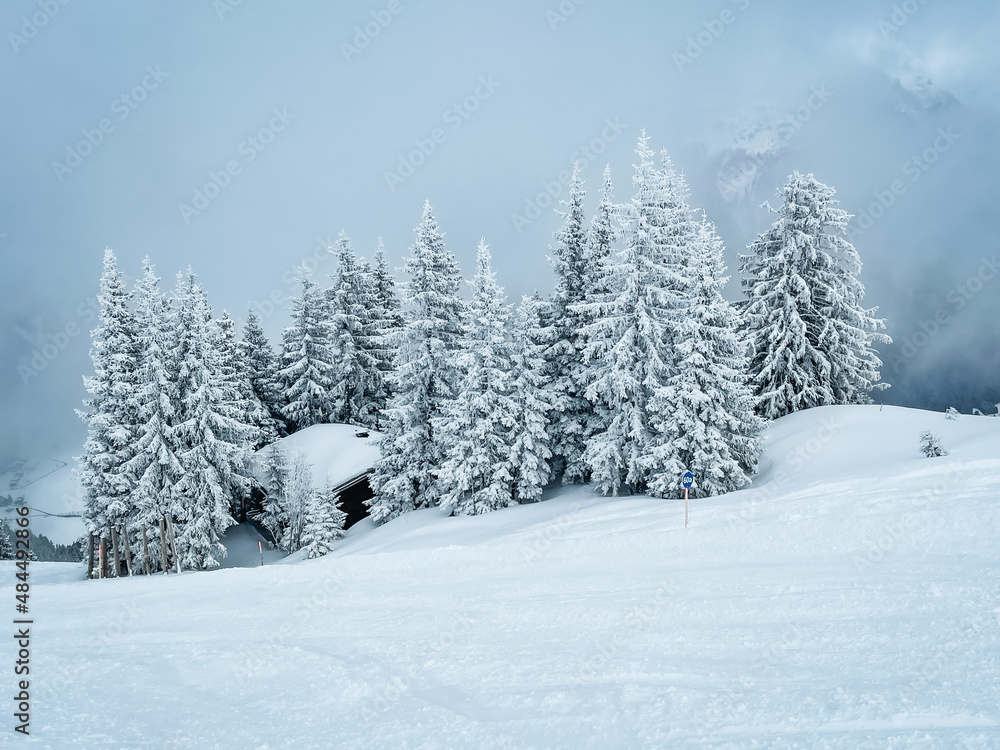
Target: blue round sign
687	480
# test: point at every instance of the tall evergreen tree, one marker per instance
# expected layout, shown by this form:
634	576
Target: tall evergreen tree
478	426
570	262
215	442
261	369
307	360
110	411
154	468
424	380
385	323
355	376
531	452
631	341
811	340
711	428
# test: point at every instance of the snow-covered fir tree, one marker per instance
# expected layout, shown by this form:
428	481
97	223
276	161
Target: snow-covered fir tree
110	409
572	410
307	359
261	369
324	524
385	323
478	426
355	379
273	515
531	452
6	545
298	492
154	468
424	381
630	342
811	340
214	441
711	428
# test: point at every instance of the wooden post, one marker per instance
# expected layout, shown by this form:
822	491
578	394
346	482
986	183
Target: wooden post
128	550
145	549
102	559
173	544
90	556
114	548
163	545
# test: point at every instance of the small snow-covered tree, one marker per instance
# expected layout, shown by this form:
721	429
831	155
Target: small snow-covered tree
355	376
951	413
324	524
930	445
424	380
273	515
297	496
307	359
110	409
260	367
6	546
811	340
569	259
710	428
531	452
478	426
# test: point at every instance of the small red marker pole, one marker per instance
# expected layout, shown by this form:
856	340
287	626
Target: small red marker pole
260	548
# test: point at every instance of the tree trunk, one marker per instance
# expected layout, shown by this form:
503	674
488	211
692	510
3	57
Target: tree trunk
103	554
173	544
114	548
127	547
163	545
145	549
90	556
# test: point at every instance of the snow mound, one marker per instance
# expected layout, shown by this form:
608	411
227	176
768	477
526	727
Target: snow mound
333	452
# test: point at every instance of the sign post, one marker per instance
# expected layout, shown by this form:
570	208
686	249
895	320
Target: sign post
686	481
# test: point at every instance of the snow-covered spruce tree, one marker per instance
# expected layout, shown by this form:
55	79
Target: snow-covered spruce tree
273	515
355	376
424	381
307	359
572	410
215	441
477	427
244	407
531	452
630	343
711	427
110	409
324	524
6	546
930	445
385	323
811	340
261	369
154	469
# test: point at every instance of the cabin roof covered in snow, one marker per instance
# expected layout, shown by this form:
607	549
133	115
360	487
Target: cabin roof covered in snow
334	452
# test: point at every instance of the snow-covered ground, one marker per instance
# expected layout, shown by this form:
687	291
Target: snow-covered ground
851	599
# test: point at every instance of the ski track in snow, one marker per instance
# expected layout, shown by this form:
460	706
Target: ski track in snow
849	599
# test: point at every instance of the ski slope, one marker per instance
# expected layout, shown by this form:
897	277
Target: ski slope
850	599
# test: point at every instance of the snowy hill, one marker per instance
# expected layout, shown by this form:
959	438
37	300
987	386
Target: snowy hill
850	599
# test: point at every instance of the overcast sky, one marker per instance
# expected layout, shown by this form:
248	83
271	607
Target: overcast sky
319	116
